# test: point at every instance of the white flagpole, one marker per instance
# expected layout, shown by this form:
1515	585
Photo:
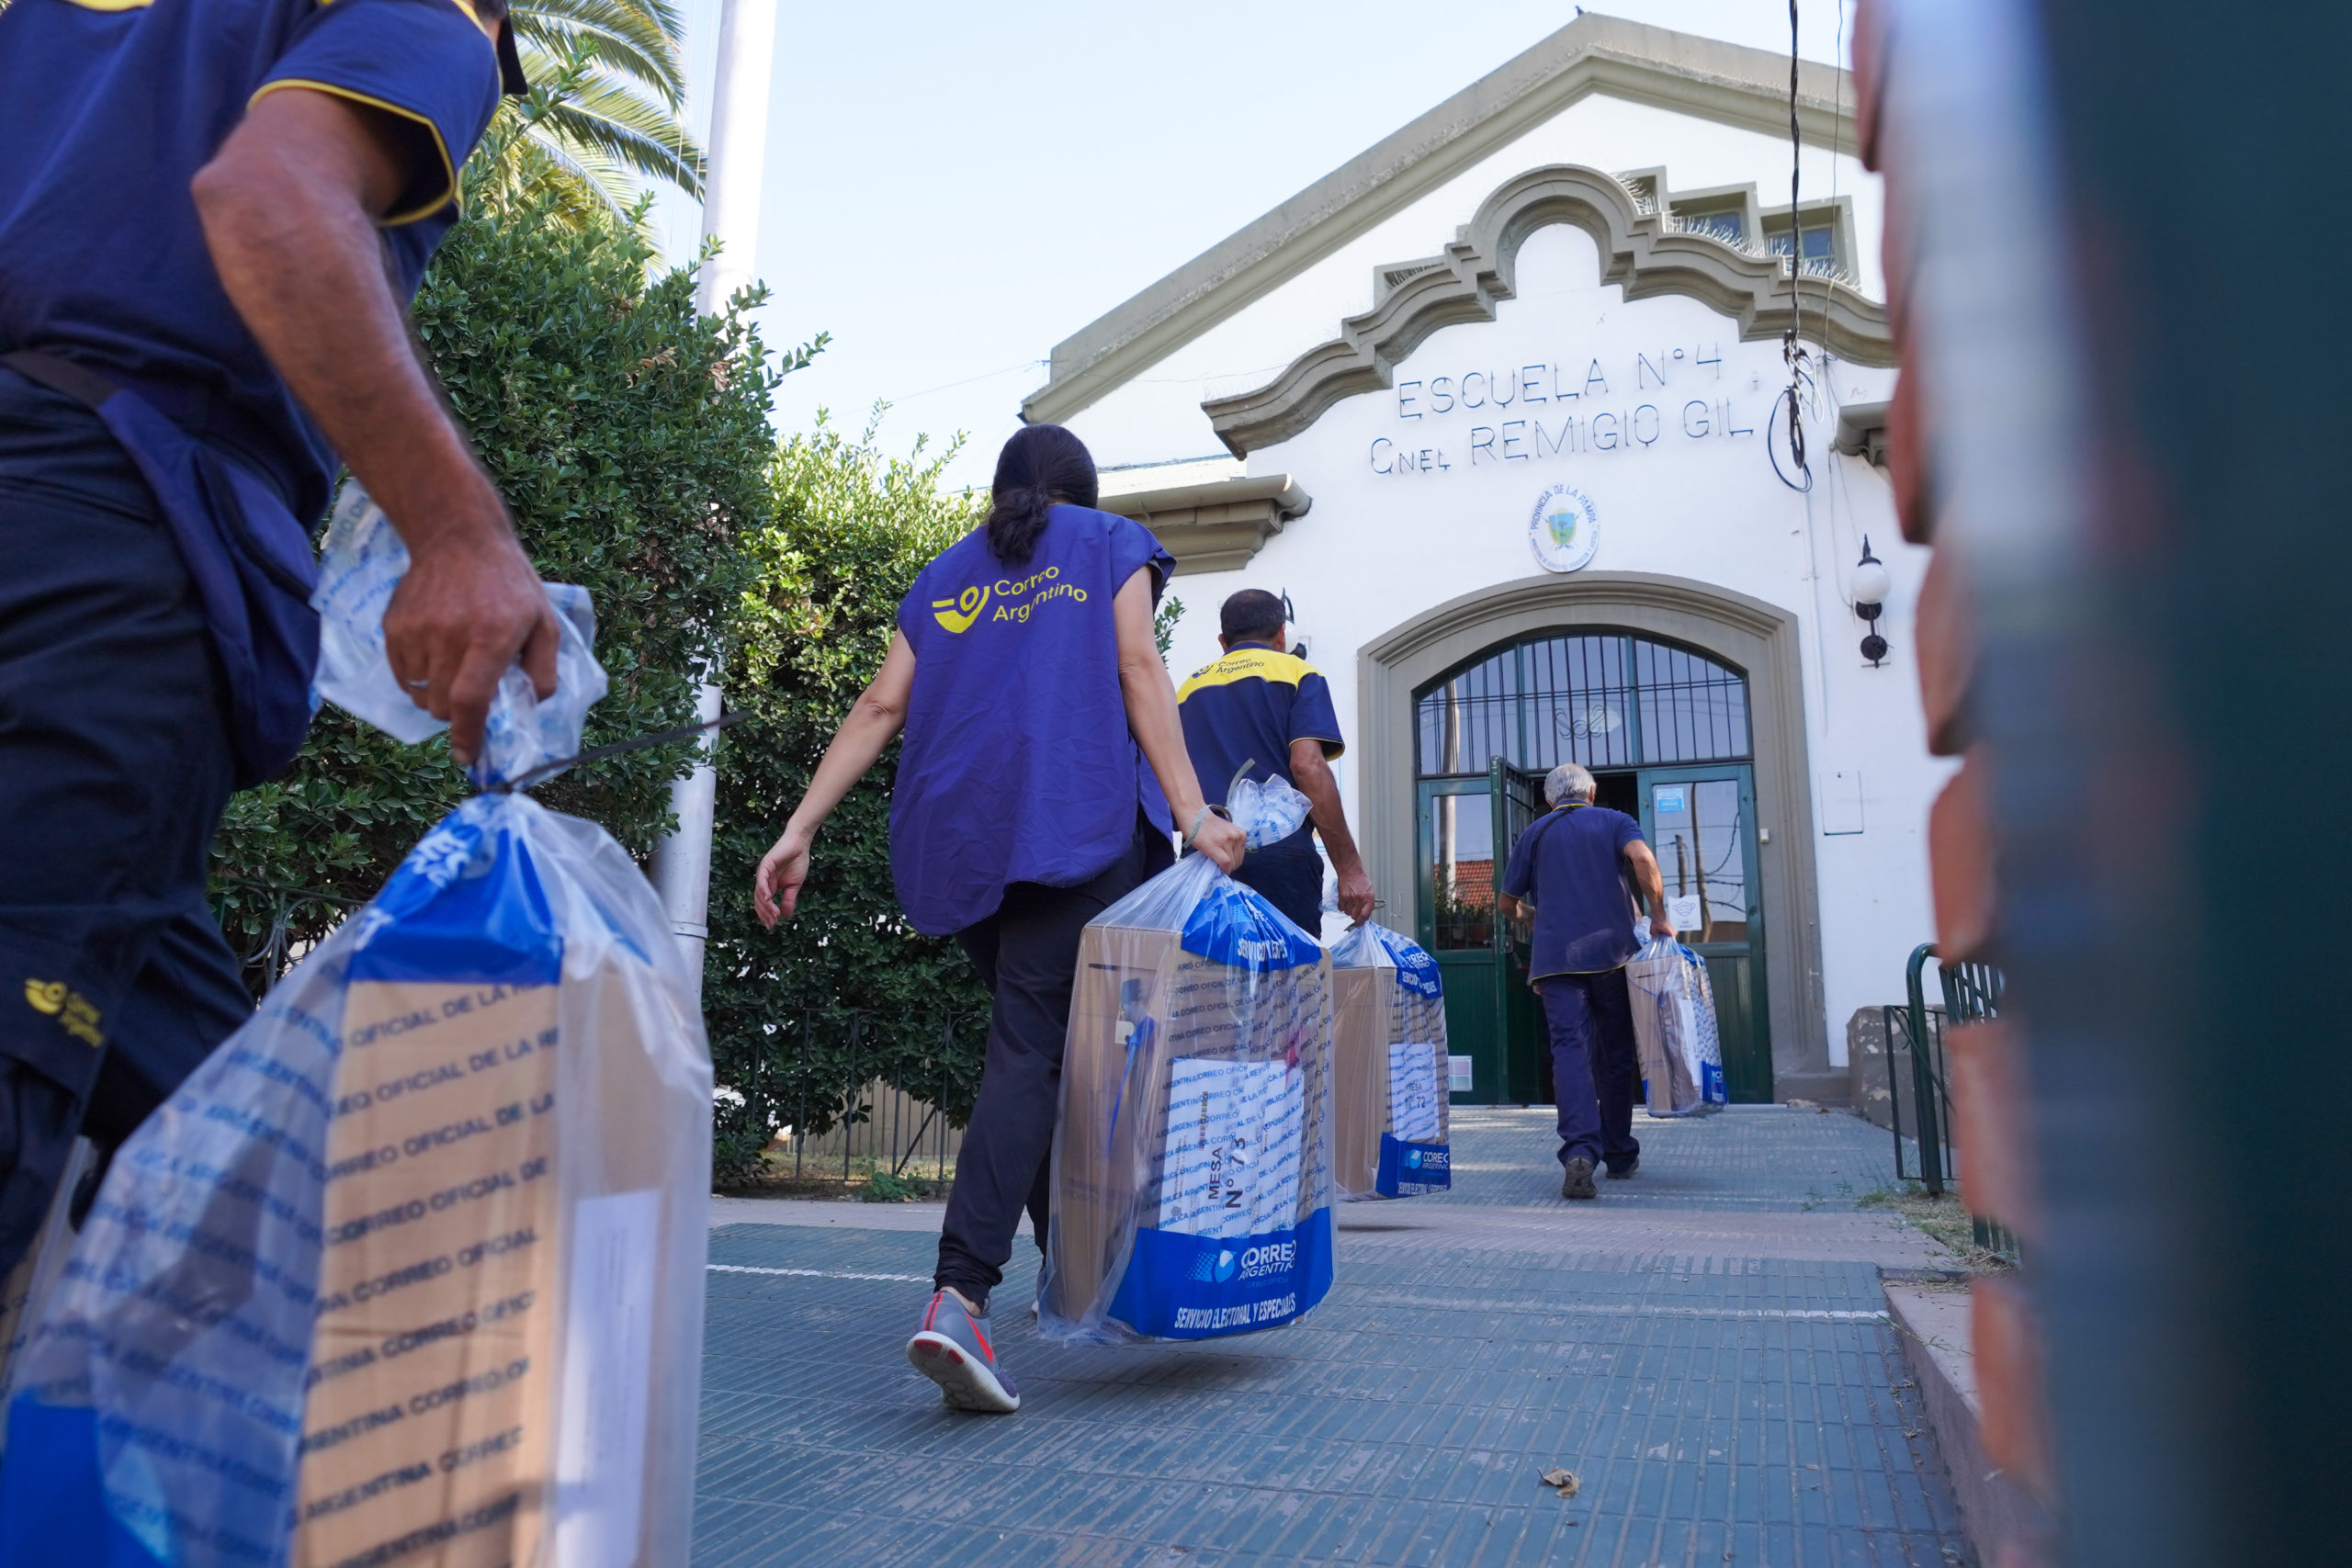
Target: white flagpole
731	214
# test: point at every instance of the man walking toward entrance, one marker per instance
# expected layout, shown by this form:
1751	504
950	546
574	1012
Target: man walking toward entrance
1269	712
1569	869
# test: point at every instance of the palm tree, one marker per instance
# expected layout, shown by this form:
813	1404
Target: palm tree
608	86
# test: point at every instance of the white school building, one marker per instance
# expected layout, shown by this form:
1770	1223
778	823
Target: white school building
1500	405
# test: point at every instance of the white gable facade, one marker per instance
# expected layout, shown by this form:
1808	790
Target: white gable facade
1501	407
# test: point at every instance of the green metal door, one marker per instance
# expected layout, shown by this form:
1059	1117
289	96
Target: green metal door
1700	823
1457	924
1467	828
1516	797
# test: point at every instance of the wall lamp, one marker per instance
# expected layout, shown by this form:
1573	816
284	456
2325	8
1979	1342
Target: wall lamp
1872	585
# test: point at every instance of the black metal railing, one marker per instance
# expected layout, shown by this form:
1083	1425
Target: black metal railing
270	928
1972	993
846	1094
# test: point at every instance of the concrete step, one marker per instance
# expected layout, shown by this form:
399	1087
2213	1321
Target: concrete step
2008	1523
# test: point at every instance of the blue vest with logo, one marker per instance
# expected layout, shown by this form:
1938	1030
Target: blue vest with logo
1017	764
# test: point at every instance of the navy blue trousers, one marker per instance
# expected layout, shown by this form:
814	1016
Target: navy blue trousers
1593	1066
114	770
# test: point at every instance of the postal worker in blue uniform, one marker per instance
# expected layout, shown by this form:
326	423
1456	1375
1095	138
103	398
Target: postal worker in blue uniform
1265	712
213	214
1042	773
1574	870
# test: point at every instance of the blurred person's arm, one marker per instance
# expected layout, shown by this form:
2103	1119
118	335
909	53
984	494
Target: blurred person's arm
1150	698
880	713
1652	882
291	205
1312	774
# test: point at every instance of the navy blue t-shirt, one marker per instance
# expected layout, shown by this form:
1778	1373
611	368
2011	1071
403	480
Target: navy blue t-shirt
106	112
1570	866
1018	764
1247	708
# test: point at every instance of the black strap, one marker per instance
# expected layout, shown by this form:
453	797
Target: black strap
60	376
1551	816
1556	814
596	754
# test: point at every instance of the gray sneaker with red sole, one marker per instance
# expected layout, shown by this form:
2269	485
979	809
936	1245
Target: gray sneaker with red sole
953	1350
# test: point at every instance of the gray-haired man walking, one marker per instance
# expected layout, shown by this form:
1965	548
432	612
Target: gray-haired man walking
1570	868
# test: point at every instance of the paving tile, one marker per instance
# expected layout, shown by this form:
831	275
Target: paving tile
1404	1422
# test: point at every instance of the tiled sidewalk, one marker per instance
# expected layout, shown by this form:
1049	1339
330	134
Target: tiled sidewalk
1719	1408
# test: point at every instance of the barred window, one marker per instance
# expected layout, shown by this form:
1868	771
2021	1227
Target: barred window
1604	699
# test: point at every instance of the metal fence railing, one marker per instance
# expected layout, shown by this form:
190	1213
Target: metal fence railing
843	1095
849	1095
1914	1048
270	928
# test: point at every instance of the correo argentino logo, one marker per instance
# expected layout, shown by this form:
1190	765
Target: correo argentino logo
958	613
71	1009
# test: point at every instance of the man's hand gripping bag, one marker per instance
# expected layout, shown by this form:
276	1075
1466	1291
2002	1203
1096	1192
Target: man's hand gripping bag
1388	1067
410	1270
1192	1194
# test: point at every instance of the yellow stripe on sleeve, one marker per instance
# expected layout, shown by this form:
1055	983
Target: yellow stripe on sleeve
448	169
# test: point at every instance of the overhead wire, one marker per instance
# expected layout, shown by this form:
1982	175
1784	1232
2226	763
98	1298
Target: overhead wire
1793	351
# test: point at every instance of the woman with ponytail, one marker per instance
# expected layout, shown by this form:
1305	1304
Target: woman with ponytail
1043	774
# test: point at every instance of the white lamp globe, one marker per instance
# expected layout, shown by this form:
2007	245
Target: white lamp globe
1872	584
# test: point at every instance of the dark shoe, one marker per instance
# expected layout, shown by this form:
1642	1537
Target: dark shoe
1578	1182
1619	1173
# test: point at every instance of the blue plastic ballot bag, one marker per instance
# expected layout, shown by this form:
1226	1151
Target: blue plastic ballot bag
410	1269
1388	1067
1674	1029
1706	1047
1192	1194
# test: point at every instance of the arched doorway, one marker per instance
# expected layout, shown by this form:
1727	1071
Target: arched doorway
1723	709
1665	731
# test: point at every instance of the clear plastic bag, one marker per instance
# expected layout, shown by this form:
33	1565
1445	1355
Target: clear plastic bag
410	1269
416	1256
1705	1045
1267	812
27	1285
1388	1067
1192	1175
1674	1029
361	563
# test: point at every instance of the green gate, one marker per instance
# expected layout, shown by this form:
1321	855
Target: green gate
1467	826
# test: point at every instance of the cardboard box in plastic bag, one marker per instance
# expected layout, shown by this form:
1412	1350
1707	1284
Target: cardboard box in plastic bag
410	1269
1192	1177
1388	1067
1674	1029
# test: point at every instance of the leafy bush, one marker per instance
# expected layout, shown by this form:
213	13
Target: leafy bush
847	993
630	439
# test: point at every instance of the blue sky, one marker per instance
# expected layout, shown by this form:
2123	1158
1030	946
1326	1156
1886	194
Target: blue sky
951	189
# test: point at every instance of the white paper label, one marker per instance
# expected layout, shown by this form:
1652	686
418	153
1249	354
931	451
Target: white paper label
607	1367
1412	1092
1684	912
1458	1075
1231	1162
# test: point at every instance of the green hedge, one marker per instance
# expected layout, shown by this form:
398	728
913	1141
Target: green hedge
853	528
631	440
